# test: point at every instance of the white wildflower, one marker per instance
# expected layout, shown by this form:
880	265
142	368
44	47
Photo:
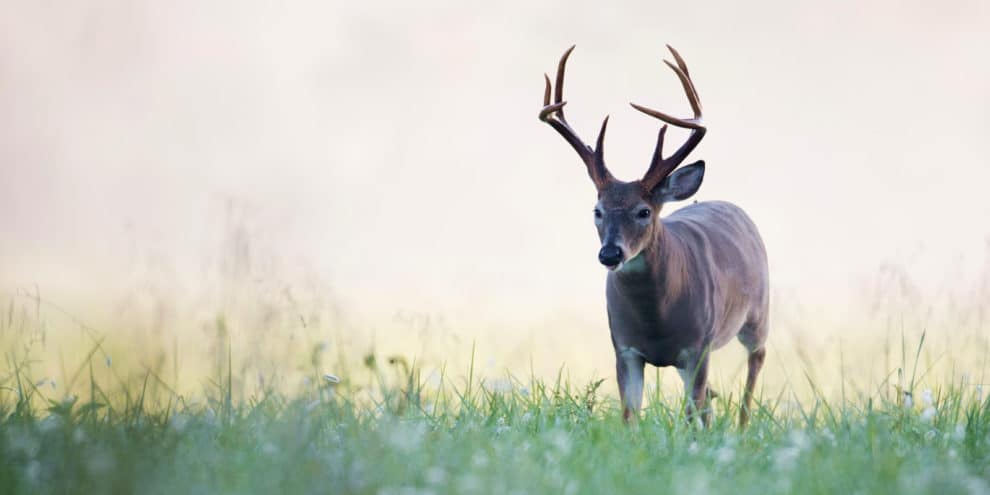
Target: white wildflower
269	449
49	423
693	448
501	426
560	440
799	439
928	414
436	476
908	400
927	398
479	460
960	433
524	391
406	437
785	458
725	454
178	422
829	436
78	436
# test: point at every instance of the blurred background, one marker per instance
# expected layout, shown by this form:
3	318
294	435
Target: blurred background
371	177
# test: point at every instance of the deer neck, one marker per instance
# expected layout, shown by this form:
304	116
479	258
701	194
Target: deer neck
659	267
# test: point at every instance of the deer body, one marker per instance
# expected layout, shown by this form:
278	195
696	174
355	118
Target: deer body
700	283
681	286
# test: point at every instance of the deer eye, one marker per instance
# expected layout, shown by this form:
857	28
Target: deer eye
644	213
598	213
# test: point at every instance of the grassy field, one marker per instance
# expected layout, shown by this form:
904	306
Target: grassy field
467	436
243	407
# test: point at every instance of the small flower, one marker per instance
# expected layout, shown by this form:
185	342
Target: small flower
927	398
501	426
479	460
693	448
960	433
178	422
829	436
928	414
724	454
785	458
908	400
560	440
436	476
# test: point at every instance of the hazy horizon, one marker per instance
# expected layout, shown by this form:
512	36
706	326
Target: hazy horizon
390	158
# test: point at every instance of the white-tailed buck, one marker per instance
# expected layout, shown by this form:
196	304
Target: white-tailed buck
677	287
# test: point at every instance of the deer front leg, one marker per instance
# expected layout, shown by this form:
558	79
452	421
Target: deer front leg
629	373
695	376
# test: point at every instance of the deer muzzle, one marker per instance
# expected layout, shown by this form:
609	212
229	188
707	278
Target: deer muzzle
610	256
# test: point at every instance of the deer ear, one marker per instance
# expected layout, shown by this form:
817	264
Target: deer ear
682	184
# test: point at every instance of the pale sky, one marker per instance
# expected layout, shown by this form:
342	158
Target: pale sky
393	152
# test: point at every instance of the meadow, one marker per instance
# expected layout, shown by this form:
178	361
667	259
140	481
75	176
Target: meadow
92	421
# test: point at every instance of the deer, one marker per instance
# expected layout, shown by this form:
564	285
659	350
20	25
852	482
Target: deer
679	286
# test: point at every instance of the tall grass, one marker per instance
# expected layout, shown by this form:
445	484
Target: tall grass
392	430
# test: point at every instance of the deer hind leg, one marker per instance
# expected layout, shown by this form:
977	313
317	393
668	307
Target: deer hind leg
755	364
629	366
753	337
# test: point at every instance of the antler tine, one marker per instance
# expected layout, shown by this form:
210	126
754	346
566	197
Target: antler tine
600	143
553	114
686	80
546	92
688	88
558	95
659	166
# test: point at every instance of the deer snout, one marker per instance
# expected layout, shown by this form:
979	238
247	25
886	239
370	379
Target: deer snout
610	255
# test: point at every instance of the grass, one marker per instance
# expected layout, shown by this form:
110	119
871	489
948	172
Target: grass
404	436
137	424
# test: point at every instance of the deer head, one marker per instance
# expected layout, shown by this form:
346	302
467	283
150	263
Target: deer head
627	213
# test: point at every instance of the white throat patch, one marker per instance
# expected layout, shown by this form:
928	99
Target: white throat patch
635	265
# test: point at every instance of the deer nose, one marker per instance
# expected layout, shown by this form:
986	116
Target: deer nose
610	255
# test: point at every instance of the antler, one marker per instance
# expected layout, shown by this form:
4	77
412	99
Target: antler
661	167
553	114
